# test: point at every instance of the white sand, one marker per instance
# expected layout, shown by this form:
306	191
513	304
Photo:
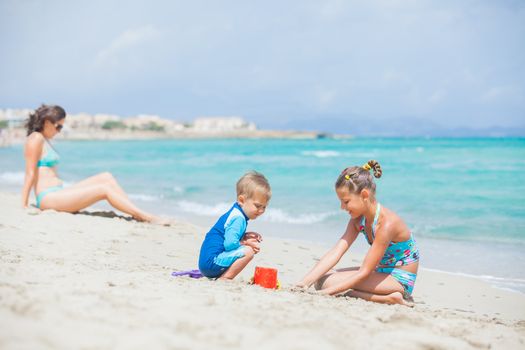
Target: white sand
88	282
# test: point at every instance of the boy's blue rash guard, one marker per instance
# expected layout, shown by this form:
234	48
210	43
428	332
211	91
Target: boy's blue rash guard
221	245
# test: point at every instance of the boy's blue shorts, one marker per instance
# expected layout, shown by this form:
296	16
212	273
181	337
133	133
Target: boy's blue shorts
212	270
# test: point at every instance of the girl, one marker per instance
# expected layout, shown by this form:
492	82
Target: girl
388	272
41	173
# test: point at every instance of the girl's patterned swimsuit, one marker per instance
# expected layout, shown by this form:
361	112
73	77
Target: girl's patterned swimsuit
397	254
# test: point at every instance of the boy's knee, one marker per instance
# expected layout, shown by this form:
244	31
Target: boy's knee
249	253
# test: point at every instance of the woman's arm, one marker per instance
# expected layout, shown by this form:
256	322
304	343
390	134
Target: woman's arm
33	151
332	257
372	259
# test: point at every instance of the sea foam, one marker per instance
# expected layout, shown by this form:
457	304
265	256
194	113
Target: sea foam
12	178
274	215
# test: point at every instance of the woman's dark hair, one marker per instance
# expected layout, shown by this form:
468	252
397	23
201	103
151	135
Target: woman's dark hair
357	178
37	119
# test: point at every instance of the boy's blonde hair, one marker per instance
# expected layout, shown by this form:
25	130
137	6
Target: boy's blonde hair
253	182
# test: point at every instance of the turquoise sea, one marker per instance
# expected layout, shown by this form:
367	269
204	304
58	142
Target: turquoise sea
463	198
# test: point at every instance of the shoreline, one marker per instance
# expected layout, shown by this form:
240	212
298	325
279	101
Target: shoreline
10	137
510	283
481	278
87	281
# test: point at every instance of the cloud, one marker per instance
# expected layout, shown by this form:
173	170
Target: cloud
438	96
127	41
383	59
396	77
331	9
325	97
502	93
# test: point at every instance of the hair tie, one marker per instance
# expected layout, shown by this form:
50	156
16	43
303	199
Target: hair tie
367	167
347	177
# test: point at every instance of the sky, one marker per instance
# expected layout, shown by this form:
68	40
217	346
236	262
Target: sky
363	67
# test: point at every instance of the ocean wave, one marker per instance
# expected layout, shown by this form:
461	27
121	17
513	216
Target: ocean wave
145	197
507	283
178	189
12	178
321	153
202	209
274	215
277	215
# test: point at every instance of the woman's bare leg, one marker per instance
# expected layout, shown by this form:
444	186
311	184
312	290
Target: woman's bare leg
107	178
238	265
378	287
101	179
75	198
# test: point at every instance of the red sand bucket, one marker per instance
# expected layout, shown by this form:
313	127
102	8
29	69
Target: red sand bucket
265	277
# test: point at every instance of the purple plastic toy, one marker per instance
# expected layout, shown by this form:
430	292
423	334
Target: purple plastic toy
191	273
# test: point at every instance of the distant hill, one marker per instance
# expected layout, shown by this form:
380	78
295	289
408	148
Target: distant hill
400	127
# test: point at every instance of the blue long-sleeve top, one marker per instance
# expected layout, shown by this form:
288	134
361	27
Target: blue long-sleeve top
222	243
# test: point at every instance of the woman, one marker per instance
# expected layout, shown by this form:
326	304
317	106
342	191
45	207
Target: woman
41	173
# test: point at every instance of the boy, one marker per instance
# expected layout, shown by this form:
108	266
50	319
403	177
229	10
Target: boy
226	249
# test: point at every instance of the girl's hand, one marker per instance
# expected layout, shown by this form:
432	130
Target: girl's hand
300	287
324	292
304	290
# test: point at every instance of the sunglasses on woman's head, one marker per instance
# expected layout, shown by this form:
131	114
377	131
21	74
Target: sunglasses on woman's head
58	127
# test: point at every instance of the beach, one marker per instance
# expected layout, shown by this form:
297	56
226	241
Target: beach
444	189
402	119
93	281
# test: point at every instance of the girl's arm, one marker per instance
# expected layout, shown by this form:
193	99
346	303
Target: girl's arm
33	151
332	257
372	259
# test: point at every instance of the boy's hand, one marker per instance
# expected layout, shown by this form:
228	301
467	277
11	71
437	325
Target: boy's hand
253	243
252	235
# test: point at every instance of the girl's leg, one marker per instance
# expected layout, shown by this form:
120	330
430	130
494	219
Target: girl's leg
75	198
238	264
320	282
392	298
378	287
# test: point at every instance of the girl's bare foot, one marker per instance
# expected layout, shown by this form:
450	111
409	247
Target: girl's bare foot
397	298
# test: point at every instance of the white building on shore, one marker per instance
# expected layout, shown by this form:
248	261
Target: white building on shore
88	121
84	126
15	118
222	124
153	122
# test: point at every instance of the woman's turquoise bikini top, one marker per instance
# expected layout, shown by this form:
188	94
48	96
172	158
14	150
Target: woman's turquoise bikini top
397	253
50	159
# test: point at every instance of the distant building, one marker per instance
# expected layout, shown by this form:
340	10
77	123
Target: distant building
15	118
220	124
82	125
153	123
